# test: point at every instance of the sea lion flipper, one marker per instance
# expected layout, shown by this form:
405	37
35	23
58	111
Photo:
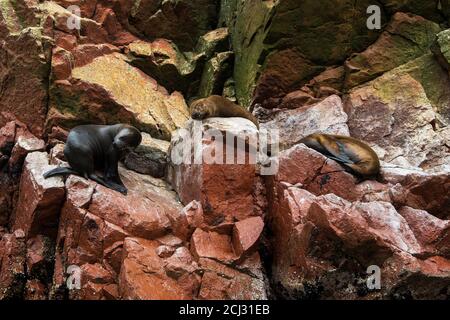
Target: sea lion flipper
340	156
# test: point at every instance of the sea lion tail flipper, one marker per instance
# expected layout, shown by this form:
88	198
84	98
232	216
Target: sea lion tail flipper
59	171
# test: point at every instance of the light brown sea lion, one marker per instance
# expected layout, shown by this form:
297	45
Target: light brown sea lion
349	152
218	106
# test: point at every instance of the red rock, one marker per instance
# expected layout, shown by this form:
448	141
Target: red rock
213	245
224	190
39	199
431	232
12	265
7	137
246	234
23	146
220	282
326	116
142	276
39	259
35	290
187	220
314	172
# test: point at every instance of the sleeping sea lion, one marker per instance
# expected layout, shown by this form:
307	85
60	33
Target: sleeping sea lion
218	106
352	153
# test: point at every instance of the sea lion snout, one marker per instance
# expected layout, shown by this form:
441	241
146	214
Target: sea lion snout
199	115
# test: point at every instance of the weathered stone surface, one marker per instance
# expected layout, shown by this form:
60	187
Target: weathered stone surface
327	116
24	63
142	276
393	114
220	282
108	85
12	265
246	234
181	21
314	233
405	38
212	245
150	157
224	188
443	48
216	71
165	63
292	42
40	199
419	190
35	290
40	259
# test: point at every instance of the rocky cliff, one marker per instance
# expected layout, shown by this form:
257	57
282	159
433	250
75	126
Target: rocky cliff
310	230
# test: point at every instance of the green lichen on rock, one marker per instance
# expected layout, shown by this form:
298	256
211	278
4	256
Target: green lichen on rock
443	47
406	38
216	71
260	29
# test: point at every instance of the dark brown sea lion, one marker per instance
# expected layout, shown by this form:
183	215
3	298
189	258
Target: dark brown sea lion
352	153
98	147
218	106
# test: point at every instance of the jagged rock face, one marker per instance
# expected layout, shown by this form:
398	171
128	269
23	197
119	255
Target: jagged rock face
226	231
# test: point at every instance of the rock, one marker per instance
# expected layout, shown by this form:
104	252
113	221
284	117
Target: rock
25	59
246	234
405	38
327	116
187	220
431	232
220	282
40	199
35	290
181	21
57	156
163	61
419	190
442	49
40	258
212	245
12	265
217	70
142	276
292	43
108	80
313	171
223	189
394	116
7	137
213	42
23	146
314	233
150	157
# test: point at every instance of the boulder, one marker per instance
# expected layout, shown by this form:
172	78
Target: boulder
327	116
12	265
108	85
394	115
40	199
202	170
405	38
315	233
150	157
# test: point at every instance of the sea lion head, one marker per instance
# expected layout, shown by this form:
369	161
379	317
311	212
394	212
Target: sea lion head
127	139
201	109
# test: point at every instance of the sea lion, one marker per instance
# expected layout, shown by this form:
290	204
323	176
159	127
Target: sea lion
98	147
352	153
218	106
